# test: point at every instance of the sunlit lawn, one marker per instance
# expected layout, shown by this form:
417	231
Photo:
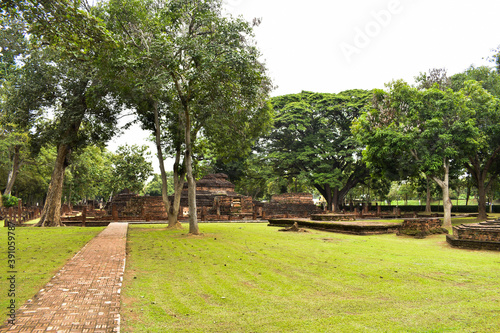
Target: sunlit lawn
252	278
40	253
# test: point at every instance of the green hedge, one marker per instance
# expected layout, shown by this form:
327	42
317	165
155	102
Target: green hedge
437	209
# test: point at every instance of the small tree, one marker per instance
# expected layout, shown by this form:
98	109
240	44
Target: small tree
131	168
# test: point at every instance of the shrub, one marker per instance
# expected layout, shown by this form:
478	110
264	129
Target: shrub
9	201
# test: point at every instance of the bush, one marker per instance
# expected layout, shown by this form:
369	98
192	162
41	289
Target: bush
9	201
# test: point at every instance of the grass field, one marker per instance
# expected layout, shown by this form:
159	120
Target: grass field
252	278
40	253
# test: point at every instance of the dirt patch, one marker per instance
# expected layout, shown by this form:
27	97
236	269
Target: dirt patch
294	228
150	229
332	240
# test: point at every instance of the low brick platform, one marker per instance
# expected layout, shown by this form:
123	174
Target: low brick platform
479	236
333	217
422	226
84	296
353	228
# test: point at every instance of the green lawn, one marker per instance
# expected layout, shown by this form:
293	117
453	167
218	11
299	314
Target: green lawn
252	278
40	253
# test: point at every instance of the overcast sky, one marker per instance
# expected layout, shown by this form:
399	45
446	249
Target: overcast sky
331	46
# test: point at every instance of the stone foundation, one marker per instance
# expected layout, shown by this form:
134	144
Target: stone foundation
485	232
333	217
277	210
481	236
420	227
353	228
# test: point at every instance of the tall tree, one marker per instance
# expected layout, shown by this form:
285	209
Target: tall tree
433	127
138	25
312	137
14	139
483	94
85	114
206	69
83	109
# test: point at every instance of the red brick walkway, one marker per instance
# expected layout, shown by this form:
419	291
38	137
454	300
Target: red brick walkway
84	296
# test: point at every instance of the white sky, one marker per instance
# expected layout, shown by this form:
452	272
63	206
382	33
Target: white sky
331	46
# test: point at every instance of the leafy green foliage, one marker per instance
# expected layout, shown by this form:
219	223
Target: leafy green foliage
312	138
153	187
96	173
131	168
9	201
428	130
67	25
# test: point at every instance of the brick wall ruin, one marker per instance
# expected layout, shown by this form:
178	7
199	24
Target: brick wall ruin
216	199
420	227
290	205
481	236
485	232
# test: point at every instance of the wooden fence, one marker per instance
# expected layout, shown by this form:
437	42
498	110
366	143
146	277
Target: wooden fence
19	215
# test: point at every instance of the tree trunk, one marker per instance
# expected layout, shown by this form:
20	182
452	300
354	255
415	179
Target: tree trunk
335	200
193	218
468	195
481	204
327	194
51	213
447	205
16	166
172	215
480	176
444	184
428	208
174	209
178	185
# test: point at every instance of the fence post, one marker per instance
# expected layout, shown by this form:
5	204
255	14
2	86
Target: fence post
84	216
12	215
20	211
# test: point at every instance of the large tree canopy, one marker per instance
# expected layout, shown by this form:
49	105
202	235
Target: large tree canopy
64	24
432	127
312	137
65	104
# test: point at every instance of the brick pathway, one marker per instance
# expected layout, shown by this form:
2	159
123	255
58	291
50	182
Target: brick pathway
84	296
